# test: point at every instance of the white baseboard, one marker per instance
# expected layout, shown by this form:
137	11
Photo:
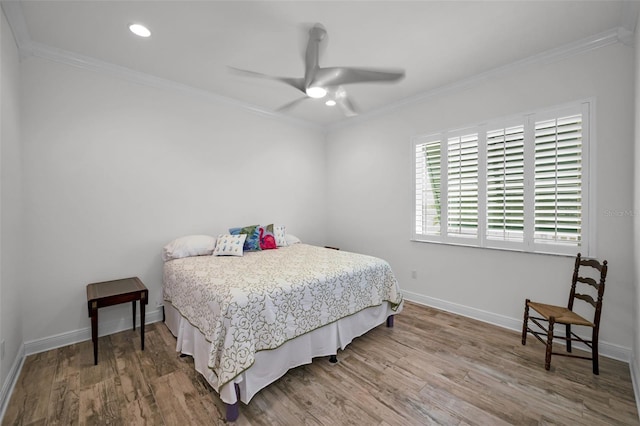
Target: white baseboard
76	336
633	365
60	340
10	382
608	350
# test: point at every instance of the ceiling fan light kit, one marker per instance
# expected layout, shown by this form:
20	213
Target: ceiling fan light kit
316	92
140	30
318	82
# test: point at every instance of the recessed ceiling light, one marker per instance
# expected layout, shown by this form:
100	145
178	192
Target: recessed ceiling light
140	30
316	92
330	102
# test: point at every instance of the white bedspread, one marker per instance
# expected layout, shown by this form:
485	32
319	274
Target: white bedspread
247	304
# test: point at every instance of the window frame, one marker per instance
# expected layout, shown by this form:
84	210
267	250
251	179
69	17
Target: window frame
528	120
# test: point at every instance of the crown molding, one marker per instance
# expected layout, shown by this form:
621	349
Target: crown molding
606	38
629	15
29	48
13	12
77	60
15	17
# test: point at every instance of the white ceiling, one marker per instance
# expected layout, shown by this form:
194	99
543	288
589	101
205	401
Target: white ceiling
437	42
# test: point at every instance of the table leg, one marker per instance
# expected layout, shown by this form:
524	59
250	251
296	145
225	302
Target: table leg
94	332
142	322
133	307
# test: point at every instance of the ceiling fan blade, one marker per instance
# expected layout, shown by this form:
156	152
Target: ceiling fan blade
329	80
345	104
347	107
297	83
336	76
291	104
312	55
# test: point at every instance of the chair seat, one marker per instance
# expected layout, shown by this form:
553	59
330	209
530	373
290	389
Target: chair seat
564	315
561	314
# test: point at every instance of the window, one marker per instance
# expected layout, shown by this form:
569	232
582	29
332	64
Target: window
462	185
505	184
519	183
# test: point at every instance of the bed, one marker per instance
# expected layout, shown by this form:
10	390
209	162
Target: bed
247	320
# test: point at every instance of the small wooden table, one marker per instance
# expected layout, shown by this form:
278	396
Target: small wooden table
110	293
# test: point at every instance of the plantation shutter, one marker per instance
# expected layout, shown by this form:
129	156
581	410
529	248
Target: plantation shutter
505	184
558	180
427	157
462	185
515	183
420	188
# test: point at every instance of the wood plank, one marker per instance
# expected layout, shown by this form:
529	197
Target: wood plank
433	367
64	402
29	403
142	411
178	402
100	403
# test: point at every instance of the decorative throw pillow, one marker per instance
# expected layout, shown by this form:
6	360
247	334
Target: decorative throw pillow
280	234
267	240
229	245
252	243
292	239
191	245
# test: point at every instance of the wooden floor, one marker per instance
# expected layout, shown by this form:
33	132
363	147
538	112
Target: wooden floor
431	368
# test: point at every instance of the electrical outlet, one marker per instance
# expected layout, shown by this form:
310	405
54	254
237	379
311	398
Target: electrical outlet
2	349
414	274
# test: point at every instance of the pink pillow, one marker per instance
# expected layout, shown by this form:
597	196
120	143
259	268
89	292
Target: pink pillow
267	239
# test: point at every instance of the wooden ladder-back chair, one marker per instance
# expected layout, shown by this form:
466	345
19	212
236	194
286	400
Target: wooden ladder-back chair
560	315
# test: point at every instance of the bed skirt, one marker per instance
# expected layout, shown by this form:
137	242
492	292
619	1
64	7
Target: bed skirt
270	365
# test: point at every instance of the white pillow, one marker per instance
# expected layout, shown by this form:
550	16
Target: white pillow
229	245
191	245
279	232
292	239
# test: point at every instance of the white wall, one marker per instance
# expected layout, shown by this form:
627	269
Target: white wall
635	366
11	272
114	170
370	193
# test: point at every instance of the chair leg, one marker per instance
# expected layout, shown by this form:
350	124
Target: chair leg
525	324
547	358
594	352
568	337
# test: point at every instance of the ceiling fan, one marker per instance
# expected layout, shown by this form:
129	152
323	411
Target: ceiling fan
327	82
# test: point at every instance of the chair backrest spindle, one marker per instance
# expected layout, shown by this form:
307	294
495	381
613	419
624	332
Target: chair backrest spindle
588	281
574	281
603	276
